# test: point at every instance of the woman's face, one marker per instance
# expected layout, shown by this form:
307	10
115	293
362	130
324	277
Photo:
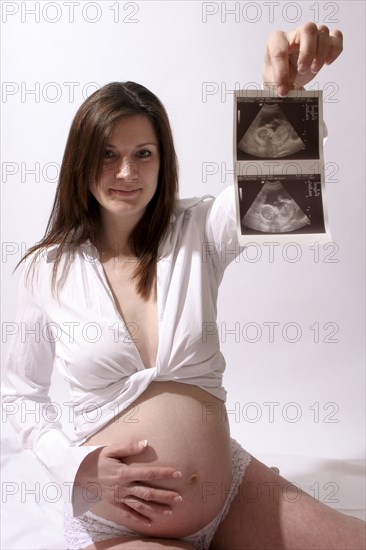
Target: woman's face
130	169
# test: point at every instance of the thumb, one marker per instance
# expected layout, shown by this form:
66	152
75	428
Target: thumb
119	451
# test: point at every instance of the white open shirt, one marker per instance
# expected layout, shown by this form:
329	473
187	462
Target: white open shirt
84	336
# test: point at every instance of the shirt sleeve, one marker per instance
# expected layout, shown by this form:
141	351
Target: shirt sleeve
25	395
222	243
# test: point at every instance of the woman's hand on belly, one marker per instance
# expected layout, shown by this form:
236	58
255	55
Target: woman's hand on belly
103	476
187	428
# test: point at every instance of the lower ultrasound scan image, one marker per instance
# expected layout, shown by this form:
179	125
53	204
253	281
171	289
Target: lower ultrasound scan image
274	211
271	135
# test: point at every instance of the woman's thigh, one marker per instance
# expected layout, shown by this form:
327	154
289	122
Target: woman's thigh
131	543
270	513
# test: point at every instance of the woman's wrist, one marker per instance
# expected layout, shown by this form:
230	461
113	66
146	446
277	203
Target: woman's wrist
84	475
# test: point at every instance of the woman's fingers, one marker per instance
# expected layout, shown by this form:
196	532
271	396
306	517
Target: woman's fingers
322	49
306	40
128	513
142	512
292	59
118	480
117	450
129	473
328	46
151	494
335	46
147	473
118	492
146	508
142	503
276	59
138	473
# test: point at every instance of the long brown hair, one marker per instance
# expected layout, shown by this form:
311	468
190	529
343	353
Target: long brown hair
75	215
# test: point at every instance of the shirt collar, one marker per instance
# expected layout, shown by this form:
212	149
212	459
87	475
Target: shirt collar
89	251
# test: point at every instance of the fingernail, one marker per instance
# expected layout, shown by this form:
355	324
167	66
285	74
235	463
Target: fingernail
167	512
302	68
282	91
178	499
147	523
142	444
177	474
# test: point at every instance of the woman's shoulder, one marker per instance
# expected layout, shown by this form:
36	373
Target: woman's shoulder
37	265
184	205
47	254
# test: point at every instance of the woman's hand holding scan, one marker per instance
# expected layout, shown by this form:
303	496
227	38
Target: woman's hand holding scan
292	59
103	476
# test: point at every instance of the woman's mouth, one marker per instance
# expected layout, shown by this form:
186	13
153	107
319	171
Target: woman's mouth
125	192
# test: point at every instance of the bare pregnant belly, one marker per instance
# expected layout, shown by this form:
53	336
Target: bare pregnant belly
186	428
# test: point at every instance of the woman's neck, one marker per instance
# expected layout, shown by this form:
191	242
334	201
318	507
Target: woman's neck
113	237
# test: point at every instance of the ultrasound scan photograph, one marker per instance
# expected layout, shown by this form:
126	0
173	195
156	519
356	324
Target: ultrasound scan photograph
271	135
274	211
280	205
279	167
277	128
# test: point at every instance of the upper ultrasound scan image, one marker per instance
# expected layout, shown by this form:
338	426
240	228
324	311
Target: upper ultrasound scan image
271	135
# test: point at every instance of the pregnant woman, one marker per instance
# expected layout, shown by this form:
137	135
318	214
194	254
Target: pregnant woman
123	287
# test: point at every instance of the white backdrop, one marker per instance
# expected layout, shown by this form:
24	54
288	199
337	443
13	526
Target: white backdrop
292	331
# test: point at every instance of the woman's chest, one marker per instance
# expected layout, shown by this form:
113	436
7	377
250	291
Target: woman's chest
104	330
139	314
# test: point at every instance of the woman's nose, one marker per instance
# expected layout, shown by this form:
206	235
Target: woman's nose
127	169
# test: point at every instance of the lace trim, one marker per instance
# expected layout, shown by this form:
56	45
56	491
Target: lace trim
240	460
82	531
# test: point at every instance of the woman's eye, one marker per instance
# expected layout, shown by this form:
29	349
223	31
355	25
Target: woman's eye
144	153
108	154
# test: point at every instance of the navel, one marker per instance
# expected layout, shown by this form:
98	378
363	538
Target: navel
193	479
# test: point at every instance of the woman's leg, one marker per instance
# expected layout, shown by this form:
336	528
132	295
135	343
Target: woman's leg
270	513
130	543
